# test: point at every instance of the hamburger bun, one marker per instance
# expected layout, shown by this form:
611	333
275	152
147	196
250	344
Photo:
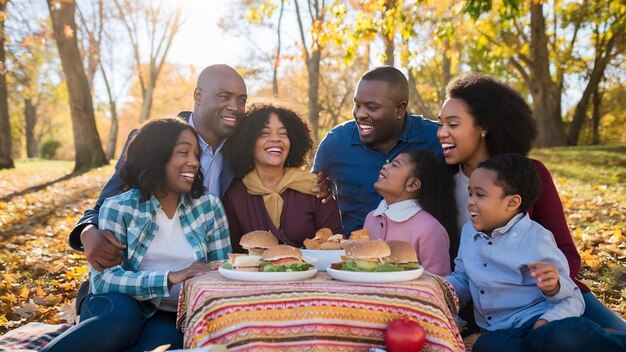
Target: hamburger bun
244	262
257	241
373	251
401	252
282	251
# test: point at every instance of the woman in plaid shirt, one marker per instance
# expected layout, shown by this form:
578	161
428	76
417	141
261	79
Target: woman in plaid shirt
169	229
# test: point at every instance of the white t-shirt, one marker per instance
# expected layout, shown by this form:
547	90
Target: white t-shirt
169	251
460	192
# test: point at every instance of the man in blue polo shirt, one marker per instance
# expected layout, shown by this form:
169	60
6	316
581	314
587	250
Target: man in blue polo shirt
352	154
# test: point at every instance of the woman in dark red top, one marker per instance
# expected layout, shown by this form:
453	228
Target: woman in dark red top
483	117
270	191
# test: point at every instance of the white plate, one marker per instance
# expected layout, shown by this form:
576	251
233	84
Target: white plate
375	277
259	276
322	258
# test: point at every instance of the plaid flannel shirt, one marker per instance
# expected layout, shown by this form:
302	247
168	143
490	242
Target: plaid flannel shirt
133	223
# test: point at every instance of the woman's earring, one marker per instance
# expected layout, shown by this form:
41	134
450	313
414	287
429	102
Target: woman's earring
482	135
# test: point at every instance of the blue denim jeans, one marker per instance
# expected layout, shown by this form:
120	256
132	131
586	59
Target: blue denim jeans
599	313
570	334
113	322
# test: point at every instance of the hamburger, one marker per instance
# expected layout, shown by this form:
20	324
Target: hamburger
256	242
367	256
403	255
244	262
282	258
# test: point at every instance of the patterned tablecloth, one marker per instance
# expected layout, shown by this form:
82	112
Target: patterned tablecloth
319	314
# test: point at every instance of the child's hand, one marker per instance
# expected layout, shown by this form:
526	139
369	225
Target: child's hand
176	277
547	277
539	323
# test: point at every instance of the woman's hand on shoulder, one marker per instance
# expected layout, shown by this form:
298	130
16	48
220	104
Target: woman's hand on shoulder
176	277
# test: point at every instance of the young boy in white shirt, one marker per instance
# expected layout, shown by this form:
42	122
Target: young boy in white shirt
512	270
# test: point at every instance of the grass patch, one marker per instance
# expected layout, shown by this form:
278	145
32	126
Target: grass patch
36	165
598	164
591	181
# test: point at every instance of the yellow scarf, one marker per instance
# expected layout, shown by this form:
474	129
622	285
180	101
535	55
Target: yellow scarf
296	179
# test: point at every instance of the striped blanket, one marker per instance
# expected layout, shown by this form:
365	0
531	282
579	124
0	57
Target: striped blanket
319	314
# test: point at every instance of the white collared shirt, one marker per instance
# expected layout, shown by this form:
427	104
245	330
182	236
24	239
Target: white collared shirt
398	212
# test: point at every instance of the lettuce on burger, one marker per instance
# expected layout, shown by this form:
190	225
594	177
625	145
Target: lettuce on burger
367	256
403	255
284	258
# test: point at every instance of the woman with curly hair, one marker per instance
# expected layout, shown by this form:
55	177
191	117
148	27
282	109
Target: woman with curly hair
170	230
483	117
271	191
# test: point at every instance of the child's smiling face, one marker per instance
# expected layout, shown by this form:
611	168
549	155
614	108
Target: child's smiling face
395	181
488	206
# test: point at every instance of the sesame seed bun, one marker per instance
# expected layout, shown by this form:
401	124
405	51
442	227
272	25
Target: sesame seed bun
401	252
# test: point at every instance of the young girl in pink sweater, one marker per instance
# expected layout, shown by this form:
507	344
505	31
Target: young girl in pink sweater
418	207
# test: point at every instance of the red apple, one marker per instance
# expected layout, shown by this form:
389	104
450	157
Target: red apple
404	335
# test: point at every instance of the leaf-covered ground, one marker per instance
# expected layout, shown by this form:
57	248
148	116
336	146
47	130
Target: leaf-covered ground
40	273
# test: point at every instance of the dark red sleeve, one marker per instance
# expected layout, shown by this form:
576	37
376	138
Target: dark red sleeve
327	215
548	212
233	221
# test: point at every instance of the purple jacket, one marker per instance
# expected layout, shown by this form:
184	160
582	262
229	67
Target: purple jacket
302	215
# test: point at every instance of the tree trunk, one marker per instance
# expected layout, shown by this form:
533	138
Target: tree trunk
89	153
30	115
416	103
596	115
112	140
602	59
446	64
388	38
278	48
313	68
546	94
389	50
146	105
6	141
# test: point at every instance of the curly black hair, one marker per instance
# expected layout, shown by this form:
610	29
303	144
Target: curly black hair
516	174
436	194
497	108
240	149
149	151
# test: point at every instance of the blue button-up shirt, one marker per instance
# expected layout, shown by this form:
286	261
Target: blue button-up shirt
133	223
493	273
353	167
